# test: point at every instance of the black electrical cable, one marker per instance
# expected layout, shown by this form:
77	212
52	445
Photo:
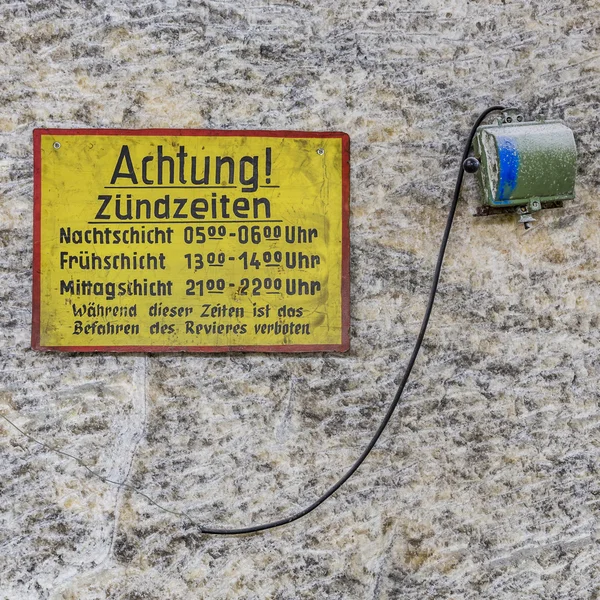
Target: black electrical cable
470	167
407	372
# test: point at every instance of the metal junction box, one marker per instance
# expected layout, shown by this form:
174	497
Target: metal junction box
525	166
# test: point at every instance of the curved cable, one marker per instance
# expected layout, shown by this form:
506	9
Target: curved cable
380	429
409	367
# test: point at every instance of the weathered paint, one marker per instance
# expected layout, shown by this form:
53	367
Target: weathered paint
508	158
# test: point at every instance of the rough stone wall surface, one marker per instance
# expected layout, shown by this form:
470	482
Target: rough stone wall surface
485	484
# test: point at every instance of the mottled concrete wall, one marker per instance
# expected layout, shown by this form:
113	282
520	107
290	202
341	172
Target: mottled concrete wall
486	483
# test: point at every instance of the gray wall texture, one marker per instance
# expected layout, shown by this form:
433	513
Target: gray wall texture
486	483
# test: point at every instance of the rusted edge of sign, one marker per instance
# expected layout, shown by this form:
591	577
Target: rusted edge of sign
37	213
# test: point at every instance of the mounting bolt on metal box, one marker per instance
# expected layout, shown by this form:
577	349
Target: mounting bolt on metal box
525	166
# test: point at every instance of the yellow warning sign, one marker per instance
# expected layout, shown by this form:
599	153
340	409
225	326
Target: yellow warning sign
174	240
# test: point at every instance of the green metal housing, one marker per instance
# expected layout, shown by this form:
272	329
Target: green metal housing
526	164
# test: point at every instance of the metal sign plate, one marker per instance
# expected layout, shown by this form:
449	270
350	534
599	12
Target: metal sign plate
190	240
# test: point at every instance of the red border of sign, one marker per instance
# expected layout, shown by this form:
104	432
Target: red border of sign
37	212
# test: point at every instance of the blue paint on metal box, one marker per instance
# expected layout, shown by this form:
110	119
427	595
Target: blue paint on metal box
508	158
